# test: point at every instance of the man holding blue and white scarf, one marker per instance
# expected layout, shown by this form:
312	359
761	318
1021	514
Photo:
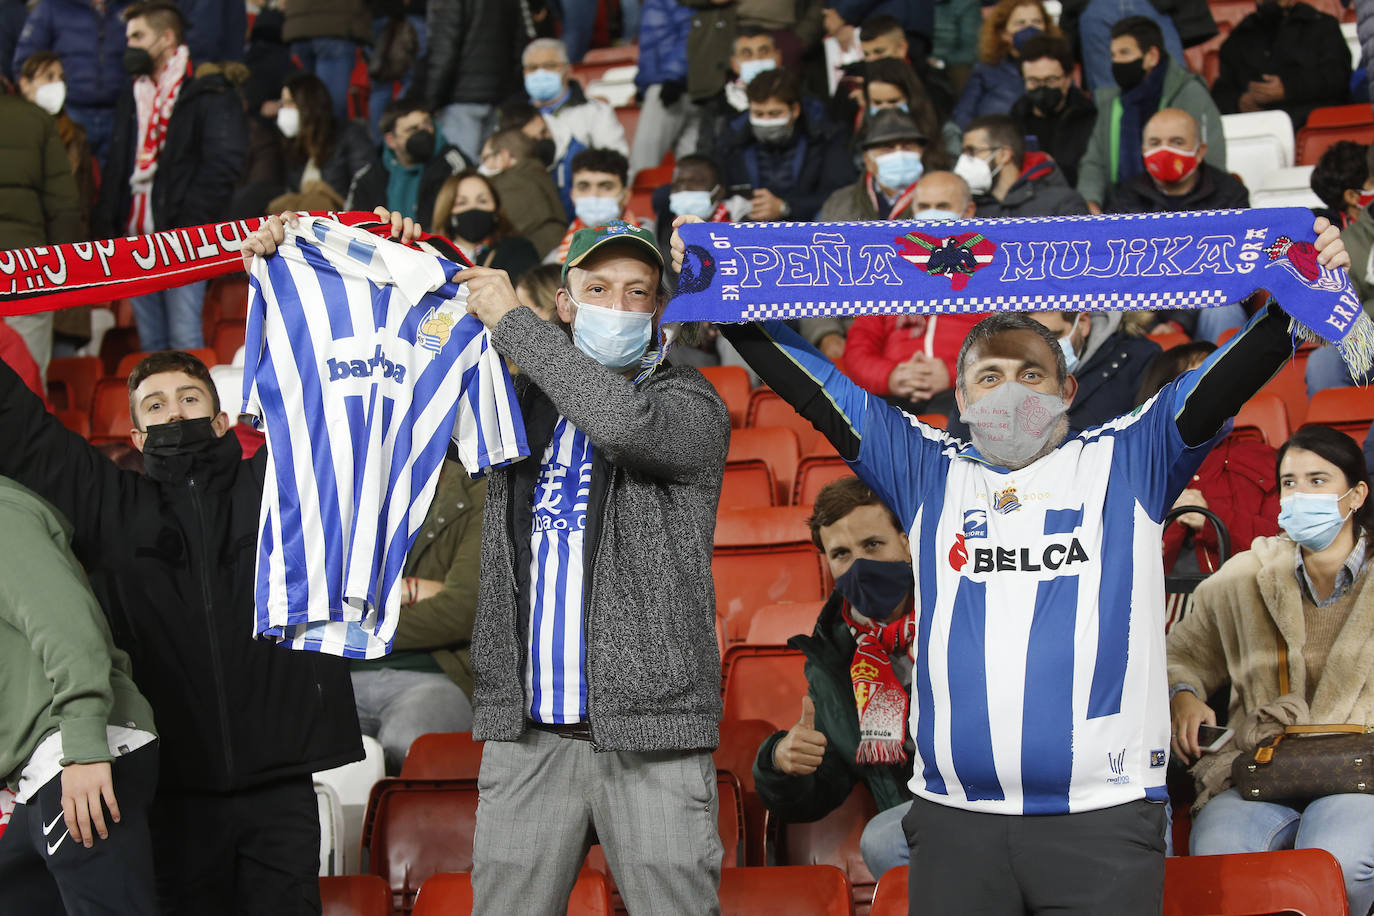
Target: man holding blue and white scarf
1038	683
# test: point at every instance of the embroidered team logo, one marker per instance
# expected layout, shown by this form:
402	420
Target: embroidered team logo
698	269
956	257
434	331
864	674
1158	758
1300	260
1005	501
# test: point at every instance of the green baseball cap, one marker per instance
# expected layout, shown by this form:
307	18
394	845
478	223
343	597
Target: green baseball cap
585	241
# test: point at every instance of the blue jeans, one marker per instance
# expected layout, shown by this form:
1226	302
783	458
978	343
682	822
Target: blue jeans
99	125
1343	825
1212	323
332	60
883	843
466	125
171	318
1326	369
579	18
396	707
382	93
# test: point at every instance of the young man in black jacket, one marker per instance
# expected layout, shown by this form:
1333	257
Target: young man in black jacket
171	556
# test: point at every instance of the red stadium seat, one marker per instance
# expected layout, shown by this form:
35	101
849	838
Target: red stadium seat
834	840
730	818
127	363
78	421
766	408
615	56
110	420
748	484
1264	417
1326	126
937	420
763	556
226	338
890	897
1305	881
813	474
78	374
355	895
818	890
775	624
628	116
227	297
1167	340
117	343
415	828
652	178
1351	410
764	682
776	445
732	384
451	895
1290	383
739	745
443	755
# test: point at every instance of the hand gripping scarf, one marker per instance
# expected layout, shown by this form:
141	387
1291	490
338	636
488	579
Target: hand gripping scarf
881	700
735	272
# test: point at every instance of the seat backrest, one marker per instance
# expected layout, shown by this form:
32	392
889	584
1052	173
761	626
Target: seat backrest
820	890
1351	410
748	484
1312	142
130	360
331	830
229	336
890	899
354	781
834	839
443	755
739	746
766	408
1308	881
730	818
1266	416
418	828
730	382
78	421
444	894
774	624
110	410
1290	187
777	445
79	373
354	895
764	682
813	473
1167	340
1264	142
763	556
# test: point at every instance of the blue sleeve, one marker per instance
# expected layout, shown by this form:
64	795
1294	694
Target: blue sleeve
35	36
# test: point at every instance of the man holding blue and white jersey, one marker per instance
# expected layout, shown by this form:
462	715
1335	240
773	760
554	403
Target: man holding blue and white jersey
1039	707
594	651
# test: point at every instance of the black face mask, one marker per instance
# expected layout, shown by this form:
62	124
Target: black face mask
420	146
138	62
877	589
1045	98
1130	74
1269	10
180	437
472	225
544	150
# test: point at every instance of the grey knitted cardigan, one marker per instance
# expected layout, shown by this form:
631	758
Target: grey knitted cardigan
653	669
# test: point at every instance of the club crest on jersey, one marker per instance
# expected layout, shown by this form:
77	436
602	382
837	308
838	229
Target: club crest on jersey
1005	501
1158	758
975	523
956	257
434	332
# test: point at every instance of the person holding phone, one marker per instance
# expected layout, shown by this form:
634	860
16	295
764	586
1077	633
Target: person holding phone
1309	589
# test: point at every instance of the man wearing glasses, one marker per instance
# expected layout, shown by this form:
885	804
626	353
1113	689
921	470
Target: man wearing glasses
1054	110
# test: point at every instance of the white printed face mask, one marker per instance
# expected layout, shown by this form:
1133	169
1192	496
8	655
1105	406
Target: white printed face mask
1011	424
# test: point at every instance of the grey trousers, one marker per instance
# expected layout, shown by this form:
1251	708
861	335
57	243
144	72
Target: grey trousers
540	798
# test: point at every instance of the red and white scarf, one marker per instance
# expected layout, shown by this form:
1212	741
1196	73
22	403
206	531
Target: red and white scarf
881	699
154	99
902	202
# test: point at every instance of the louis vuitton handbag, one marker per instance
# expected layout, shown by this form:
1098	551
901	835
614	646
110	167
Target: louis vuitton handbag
1306	761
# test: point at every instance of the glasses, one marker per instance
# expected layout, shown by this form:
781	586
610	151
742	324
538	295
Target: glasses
1047	82
975	150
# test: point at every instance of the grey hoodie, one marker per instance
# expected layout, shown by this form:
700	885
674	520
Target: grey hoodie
653	669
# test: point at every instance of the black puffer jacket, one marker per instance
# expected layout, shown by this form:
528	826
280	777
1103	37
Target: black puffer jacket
353	155
474	52
207	145
171	557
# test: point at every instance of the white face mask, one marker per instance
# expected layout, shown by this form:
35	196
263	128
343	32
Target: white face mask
289	121
51	97
976	172
1012	424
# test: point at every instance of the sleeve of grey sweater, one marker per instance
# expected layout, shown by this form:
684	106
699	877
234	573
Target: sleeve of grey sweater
672	431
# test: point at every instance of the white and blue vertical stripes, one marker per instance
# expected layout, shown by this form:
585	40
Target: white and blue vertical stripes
556	657
361	363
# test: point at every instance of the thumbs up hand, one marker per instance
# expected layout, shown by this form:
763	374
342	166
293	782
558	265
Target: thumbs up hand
799	753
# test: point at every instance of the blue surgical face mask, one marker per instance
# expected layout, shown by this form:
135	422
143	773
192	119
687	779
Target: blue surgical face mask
692	203
935	213
900	106
1313	519
877	589
613	337
597	211
748	69
543	85
899	169
1066	344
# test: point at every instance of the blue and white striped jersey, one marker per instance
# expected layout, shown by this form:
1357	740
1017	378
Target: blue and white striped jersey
556	660
361	363
1038	681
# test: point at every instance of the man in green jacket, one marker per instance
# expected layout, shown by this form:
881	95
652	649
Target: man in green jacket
73	727
1147	80
808	771
425	684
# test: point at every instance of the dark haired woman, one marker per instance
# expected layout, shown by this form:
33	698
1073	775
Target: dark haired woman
467	211
1307	595
322	154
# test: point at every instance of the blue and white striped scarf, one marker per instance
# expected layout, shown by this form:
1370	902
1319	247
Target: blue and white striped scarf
737	272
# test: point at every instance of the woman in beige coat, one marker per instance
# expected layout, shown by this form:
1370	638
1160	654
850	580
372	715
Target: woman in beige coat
1309	589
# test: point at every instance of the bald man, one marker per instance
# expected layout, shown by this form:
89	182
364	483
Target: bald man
1175	177
944	195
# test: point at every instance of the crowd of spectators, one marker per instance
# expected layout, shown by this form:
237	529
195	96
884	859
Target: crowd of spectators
124	118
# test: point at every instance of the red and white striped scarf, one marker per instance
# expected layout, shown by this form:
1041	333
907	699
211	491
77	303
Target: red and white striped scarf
154	99
881	699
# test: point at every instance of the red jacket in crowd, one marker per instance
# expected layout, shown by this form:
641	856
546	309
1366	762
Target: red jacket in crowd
15	354
1237	480
875	344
